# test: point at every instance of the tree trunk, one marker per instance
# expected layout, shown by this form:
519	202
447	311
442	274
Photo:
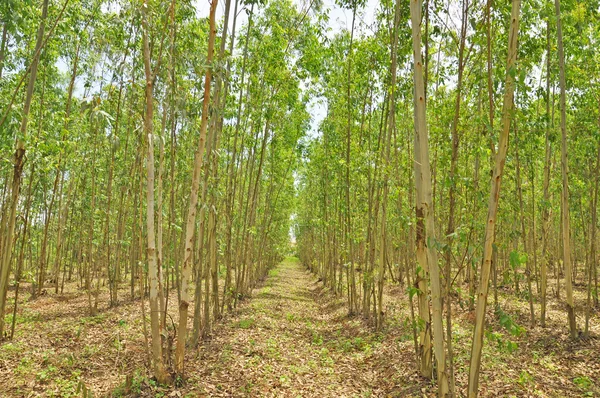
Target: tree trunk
20	260
18	171
523	230
193	201
507	108
546	186
159	370
3	46
566	253
350	259
424	205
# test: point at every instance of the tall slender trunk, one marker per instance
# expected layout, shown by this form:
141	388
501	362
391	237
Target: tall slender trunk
47	220
452	195
490	74
153	274
3	46
20	260
213	166
62	221
424	205
193	201
594	223
546	186
59	238
173	151
232	176
523	230
18	171
349	245
592	263
227	293
386	165
507	108
110	267
566	229
422	271
159	218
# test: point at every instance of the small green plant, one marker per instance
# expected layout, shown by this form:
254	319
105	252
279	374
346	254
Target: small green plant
273	348
502	344
46	374
133	385
347	346
25	317
24	367
326	359
507	323
226	353
317	339
525	378
67	361
585	384
67	387
284	379
246	323
10	348
89	350
93	320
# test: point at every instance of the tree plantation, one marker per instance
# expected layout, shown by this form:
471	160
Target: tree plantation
299	198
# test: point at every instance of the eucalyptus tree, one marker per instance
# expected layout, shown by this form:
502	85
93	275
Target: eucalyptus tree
426	241
153	271
566	244
19	158
193	201
118	97
500	159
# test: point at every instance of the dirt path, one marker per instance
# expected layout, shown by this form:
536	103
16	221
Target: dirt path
291	340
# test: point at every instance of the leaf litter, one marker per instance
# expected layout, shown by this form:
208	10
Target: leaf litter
293	338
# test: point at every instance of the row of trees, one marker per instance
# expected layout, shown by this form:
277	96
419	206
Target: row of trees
394	186
114	111
146	150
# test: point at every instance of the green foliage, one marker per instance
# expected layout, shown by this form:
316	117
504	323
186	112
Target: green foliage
291	317
517	259
504	345
507	323
246	323
412	290
585	384
47	373
132	386
317	339
525	378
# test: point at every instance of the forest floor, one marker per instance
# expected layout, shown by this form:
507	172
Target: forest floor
293	338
